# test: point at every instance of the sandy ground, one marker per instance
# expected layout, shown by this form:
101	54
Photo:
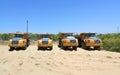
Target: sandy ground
58	62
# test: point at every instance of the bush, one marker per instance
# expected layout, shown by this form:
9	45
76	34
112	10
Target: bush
111	42
5	36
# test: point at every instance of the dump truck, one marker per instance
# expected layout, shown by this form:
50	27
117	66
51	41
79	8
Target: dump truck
89	41
67	40
45	41
21	40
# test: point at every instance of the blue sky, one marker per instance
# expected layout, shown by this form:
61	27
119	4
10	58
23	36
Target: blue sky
53	16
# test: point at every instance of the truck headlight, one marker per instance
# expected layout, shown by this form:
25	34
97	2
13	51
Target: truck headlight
87	41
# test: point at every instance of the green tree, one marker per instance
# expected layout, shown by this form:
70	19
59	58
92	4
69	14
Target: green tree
111	42
5	36
34	36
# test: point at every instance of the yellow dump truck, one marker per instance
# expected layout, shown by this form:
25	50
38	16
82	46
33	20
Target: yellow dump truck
67	40
20	40
45	41
89	40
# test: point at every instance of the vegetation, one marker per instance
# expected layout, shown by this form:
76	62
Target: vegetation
5	36
33	36
111	42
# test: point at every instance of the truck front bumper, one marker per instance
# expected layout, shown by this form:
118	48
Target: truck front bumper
70	44
16	45
93	44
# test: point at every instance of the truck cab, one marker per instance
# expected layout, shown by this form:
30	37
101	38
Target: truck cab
20	40
67	40
45	41
89	40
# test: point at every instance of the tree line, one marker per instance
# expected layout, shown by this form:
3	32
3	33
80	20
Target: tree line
111	42
7	36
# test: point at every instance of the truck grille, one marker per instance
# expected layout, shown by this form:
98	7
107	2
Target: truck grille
72	41
44	42
14	42
97	41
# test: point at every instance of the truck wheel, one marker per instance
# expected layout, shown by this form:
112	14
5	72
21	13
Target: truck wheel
84	46
38	48
62	46
75	48
97	48
28	43
51	48
59	45
11	48
24	48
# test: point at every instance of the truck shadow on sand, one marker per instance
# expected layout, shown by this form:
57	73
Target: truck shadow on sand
67	49
89	49
17	49
44	49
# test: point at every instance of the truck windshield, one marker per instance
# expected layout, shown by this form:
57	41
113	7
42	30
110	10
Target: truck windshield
18	36
90	35
45	36
68	35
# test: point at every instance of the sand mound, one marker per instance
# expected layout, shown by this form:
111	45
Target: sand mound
58	62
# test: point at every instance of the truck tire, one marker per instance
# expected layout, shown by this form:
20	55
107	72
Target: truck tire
28	43
75	48
97	48
62	46
11	48
39	48
79	43
51	48
84	46
24	48
59	45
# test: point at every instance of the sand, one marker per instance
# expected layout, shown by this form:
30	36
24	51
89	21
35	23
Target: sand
58	62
